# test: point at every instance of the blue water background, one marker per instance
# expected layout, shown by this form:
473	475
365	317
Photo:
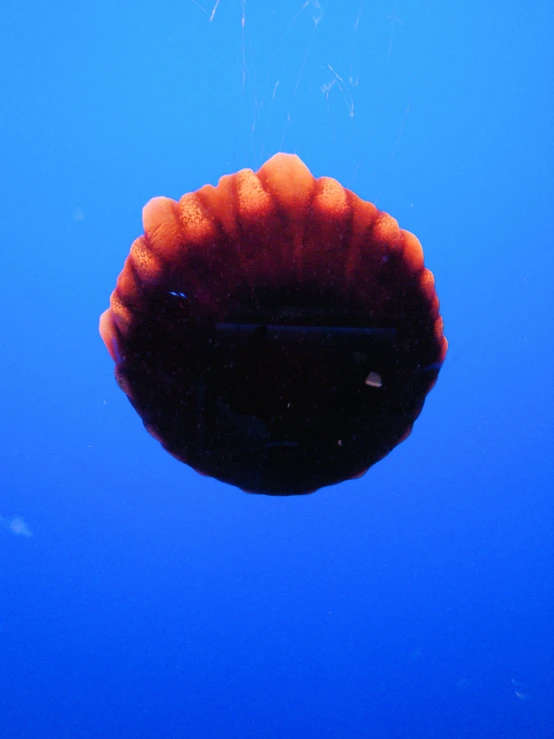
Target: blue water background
139	599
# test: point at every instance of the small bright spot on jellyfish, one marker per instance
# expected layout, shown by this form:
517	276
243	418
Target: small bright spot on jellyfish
373	380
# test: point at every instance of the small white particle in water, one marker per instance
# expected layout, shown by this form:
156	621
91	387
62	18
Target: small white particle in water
16	525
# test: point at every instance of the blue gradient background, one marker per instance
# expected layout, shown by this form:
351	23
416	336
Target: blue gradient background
140	600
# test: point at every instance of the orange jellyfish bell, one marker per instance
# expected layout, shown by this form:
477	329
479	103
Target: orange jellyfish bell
276	331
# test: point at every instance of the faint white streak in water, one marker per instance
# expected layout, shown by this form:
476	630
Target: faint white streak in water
520	690
16	525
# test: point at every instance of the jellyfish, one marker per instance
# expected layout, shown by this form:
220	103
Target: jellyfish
275	331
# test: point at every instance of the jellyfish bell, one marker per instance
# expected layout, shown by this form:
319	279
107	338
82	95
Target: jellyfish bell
276	331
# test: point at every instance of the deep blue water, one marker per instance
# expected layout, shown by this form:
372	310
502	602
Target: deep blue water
139	599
